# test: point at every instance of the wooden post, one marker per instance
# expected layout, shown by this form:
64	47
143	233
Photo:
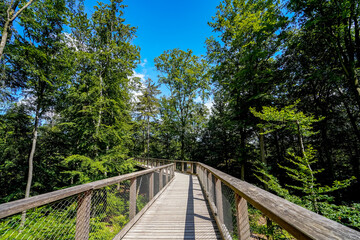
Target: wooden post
210	186
192	168
242	218
205	179
182	166
83	216
132	201
151	186
160	179
219	202
167	174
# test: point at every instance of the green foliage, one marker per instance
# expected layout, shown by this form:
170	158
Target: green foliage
312	194
288	117
186	77
83	168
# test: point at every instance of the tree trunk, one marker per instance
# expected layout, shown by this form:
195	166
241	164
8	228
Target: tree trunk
148	135
4	37
243	153
31	165
98	124
11	16
262	146
182	140
301	143
262	153
100	110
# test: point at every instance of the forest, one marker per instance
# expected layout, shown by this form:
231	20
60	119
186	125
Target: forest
283	77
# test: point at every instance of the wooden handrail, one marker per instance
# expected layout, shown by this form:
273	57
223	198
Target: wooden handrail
20	205
298	221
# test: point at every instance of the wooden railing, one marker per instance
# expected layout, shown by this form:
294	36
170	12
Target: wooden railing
227	197
180	165
78	206
298	221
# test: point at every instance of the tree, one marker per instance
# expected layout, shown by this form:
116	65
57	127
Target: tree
336	22
250	34
148	107
12	12
296	122
96	106
186	77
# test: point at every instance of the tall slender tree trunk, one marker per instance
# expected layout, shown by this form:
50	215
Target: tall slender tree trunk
262	146
4	37
31	161
98	124
182	141
100	109
243	153
11	16
262	152
148	136
301	143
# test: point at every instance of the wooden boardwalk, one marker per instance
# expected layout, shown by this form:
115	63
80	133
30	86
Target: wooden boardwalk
181	212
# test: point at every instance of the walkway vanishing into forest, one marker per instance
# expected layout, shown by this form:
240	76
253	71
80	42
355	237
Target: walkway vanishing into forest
181	212
195	202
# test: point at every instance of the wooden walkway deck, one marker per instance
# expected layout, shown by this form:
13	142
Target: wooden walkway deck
181	212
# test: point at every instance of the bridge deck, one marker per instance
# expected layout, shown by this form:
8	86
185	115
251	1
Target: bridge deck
181	212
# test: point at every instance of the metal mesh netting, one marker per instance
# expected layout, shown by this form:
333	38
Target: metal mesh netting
99	214
142	191
229	225
52	221
229	210
109	210
178	166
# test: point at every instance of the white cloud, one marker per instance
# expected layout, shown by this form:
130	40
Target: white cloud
198	99
137	93
209	104
144	63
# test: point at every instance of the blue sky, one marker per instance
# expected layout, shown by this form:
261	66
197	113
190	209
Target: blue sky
167	24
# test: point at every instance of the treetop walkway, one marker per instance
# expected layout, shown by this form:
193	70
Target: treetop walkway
168	200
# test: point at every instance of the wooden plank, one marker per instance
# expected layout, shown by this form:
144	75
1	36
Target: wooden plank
219	202
298	221
132	201
151	186
242	218
83	216
181	212
160	179
131	223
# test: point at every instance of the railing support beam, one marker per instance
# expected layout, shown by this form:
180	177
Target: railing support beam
151	186
242	218
83	216
132	200
219	201
160	179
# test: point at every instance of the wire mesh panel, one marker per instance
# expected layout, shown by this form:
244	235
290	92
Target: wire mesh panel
213	190
156	182
109	210
52	221
142	191
229	210
164	178
178	166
